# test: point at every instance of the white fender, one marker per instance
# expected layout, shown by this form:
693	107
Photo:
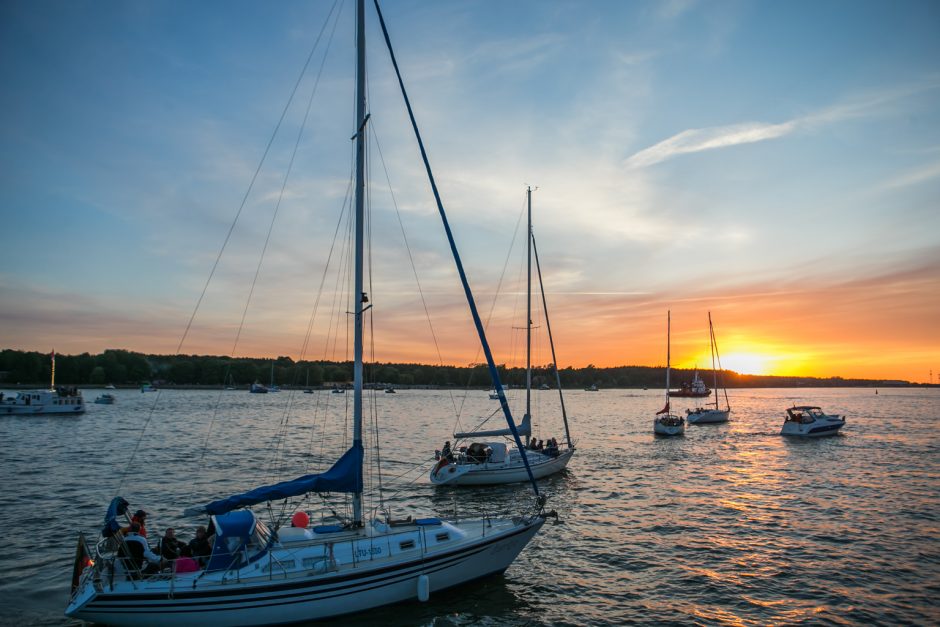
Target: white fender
424	588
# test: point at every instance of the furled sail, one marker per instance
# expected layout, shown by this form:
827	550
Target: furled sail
344	476
524	428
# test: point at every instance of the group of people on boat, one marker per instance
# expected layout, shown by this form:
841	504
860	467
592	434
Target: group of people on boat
170	554
548	447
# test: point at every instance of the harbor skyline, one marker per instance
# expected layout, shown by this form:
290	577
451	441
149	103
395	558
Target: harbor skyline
773	167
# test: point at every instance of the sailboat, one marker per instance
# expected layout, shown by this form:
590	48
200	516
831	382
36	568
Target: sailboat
259	574
272	387
665	422
707	415
483	461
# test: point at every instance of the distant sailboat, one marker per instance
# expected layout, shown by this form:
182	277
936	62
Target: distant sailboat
272	387
707	415
666	423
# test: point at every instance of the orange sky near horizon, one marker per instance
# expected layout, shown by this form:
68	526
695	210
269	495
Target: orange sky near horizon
880	327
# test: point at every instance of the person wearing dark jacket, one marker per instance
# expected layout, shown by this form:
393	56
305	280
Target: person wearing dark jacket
170	545
200	546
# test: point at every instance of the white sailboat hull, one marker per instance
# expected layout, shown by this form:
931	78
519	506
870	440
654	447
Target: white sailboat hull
659	428
492	474
253	597
710	416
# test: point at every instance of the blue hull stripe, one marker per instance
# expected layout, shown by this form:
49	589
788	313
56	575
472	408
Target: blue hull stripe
826	428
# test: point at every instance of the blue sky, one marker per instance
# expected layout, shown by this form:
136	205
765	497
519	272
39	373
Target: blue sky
743	157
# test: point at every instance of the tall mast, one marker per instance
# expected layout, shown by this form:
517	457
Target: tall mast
668	349
551	342
358	295
711	344
528	310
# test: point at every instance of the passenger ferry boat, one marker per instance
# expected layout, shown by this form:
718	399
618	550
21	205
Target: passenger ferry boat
60	400
55	400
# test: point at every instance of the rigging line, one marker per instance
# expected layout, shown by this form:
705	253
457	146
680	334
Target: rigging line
489	315
238	214
411	260
290	167
254	178
306	342
316	305
477	322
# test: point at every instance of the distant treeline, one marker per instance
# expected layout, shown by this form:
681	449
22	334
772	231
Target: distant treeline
121	367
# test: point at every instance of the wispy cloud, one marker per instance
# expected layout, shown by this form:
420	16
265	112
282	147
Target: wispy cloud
914	177
701	139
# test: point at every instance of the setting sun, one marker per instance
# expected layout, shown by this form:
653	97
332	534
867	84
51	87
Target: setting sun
747	363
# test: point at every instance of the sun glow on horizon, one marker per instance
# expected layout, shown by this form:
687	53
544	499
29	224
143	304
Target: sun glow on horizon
748	363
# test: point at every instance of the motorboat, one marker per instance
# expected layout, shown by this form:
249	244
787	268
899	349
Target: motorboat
105	399
592	388
258	388
811	422
665	422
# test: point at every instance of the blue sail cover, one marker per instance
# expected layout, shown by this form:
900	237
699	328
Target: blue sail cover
344	476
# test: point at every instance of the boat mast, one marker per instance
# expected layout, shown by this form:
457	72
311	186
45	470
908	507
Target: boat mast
477	322
724	388
668	349
358	295
528	311
551	342
711	344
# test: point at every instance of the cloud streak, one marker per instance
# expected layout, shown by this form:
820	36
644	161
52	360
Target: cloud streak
710	138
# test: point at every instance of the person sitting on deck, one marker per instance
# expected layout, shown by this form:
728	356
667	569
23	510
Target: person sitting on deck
552	447
137	551
200	547
170	545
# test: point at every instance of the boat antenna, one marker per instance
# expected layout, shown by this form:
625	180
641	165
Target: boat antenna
494	373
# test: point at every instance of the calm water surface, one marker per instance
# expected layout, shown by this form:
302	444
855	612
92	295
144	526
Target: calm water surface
731	524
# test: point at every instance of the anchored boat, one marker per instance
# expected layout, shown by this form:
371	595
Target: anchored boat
665	422
709	415
261	574
477	460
